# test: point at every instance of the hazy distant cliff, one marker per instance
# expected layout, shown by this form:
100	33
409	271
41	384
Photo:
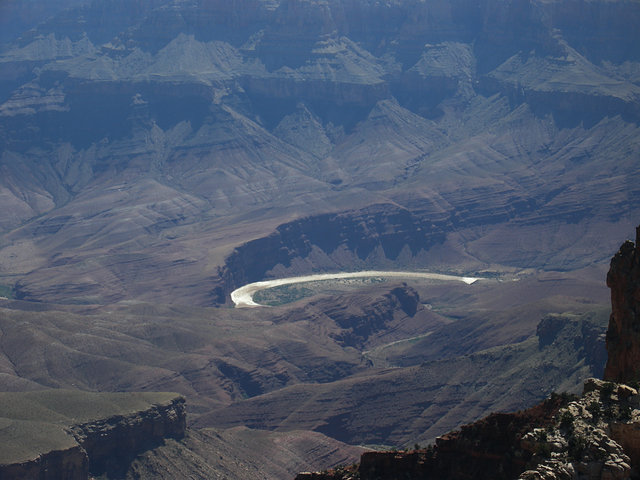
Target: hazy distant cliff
246	116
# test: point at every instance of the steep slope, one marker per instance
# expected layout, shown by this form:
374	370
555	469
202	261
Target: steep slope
73	434
240	453
592	436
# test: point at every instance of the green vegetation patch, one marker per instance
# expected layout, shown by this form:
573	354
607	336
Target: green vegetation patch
281	295
6	291
284	294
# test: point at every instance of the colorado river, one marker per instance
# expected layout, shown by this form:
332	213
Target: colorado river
243	296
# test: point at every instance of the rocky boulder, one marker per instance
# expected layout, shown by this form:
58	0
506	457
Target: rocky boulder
592	437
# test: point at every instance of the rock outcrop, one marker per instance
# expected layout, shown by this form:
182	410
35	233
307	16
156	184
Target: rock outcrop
595	436
359	324
55	434
111	443
623	335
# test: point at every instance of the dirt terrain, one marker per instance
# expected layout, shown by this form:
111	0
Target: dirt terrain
157	156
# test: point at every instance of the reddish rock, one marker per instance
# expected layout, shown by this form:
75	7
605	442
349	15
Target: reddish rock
628	436
623	334
489	448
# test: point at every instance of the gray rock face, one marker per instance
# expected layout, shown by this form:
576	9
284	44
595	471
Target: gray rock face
111	443
593	437
596	436
381	231
377	410
305	131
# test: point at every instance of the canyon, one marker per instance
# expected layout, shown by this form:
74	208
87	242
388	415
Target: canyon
229	149
155	156
595	436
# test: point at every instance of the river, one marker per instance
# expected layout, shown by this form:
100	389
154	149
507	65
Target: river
243	296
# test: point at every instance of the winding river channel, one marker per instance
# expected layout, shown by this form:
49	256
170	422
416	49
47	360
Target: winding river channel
243	296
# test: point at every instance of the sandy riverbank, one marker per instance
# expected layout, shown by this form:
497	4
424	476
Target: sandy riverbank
243	296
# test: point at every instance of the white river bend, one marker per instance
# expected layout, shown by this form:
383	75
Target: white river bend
243	296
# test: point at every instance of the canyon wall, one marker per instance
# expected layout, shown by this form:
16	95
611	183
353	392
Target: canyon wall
448	113
623	334
592	436
70	464
111	443
105	445
331	242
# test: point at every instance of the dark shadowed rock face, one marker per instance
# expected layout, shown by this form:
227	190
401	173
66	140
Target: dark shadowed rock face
359	325
623	335
333	241
489	448
112	443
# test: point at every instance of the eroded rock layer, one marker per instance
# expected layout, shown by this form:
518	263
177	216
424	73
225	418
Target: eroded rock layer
595	436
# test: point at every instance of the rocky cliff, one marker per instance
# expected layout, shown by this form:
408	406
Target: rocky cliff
112	443
71	434
623	334
70	463
595	436
489	448
414	394
380	235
